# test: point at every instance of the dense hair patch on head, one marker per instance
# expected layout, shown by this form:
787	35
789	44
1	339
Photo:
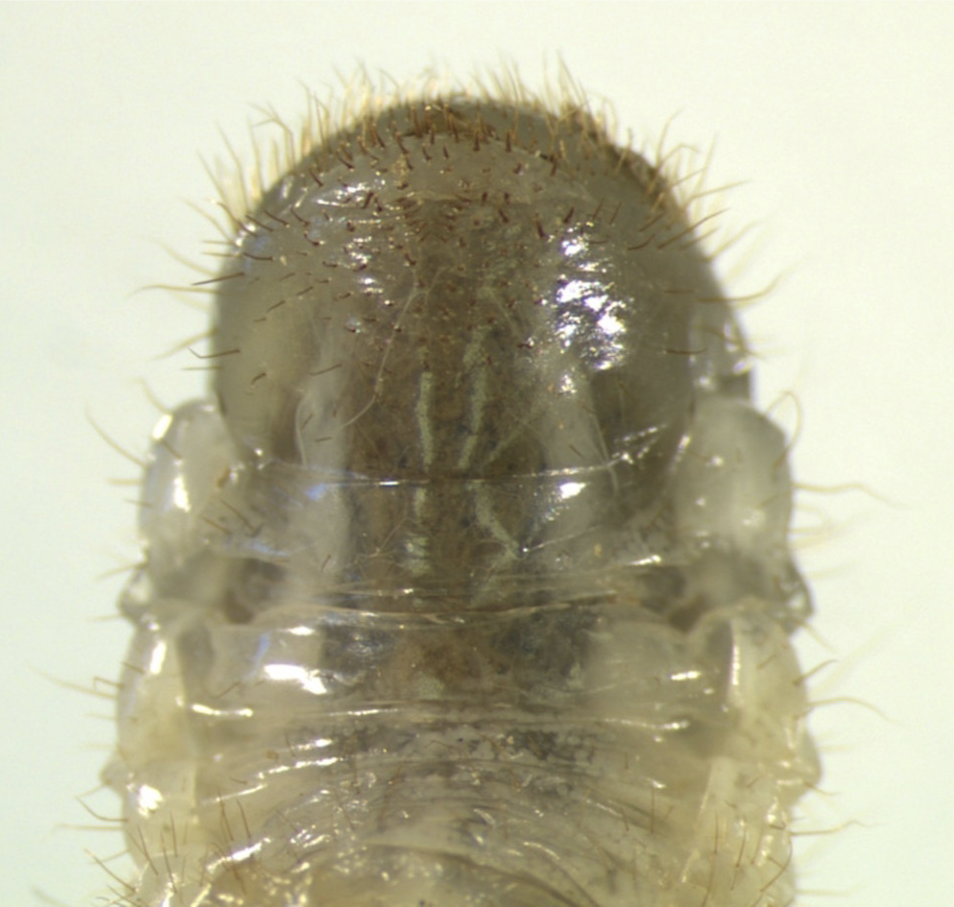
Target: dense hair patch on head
675	175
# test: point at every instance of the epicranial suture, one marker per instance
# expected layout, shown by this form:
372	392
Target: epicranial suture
470	582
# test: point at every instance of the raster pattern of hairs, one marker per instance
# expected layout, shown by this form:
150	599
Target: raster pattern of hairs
469	583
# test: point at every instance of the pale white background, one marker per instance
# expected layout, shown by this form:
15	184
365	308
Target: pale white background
838	116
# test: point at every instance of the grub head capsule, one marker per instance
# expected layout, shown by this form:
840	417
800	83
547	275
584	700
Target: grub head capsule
470	586
493	312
